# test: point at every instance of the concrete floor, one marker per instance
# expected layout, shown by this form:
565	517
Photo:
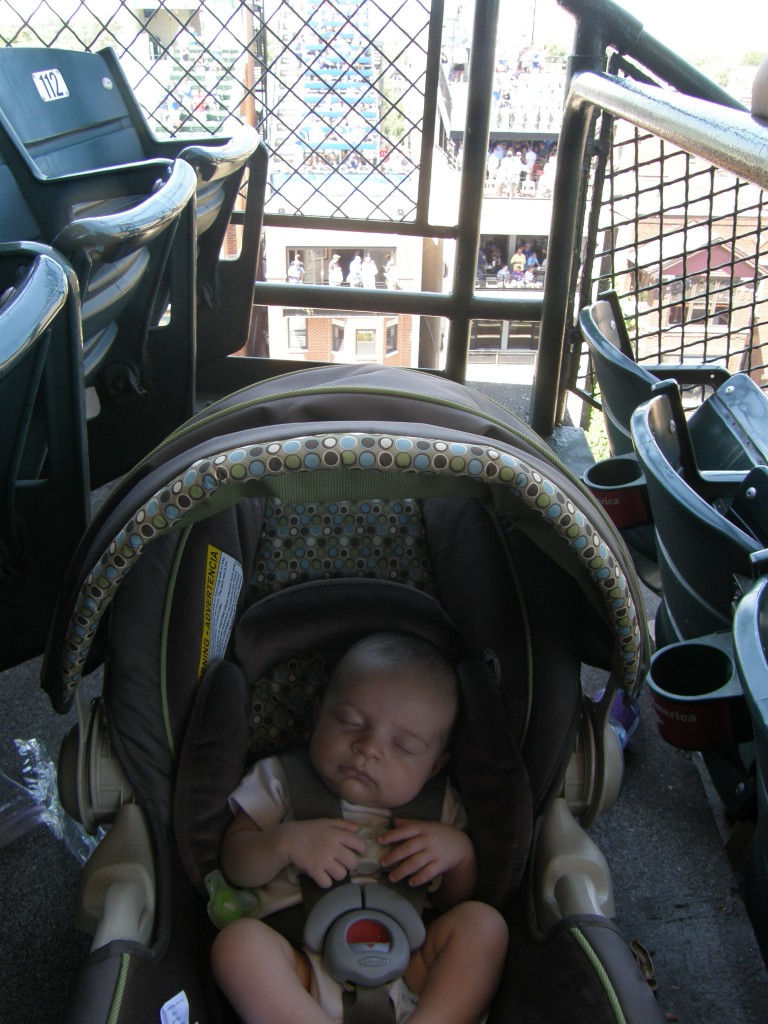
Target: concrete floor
676	891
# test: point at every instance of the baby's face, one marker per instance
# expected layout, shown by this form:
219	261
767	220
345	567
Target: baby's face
380	737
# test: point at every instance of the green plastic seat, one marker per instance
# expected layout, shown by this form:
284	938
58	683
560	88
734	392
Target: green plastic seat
702	551
83	114
707	555
729	429
750	639
115	227
43	452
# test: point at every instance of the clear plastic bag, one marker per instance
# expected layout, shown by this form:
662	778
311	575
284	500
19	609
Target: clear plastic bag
36	802
19	811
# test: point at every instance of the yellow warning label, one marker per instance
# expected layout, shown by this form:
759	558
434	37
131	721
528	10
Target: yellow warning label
223	582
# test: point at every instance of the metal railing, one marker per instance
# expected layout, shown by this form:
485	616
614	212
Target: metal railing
689	273
670	211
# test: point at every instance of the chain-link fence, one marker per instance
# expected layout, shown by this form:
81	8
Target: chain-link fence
685	246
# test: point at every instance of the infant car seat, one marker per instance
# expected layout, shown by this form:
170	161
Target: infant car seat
221	582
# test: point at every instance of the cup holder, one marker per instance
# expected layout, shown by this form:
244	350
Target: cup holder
619	485
696	693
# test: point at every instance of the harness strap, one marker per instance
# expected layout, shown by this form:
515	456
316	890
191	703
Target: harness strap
368	1005
310	798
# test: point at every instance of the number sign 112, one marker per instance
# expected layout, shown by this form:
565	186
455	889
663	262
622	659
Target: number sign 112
50	84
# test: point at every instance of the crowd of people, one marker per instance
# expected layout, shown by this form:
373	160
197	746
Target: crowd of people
387	159
361	271
521	169
530	60
524	269
531	94
528	85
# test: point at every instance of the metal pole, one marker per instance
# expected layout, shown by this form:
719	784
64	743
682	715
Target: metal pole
476	134
627	34
430	109
563	250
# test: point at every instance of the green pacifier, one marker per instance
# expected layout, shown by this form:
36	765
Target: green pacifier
227	904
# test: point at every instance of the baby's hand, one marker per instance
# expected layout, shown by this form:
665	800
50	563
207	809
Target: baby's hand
422	850
324	848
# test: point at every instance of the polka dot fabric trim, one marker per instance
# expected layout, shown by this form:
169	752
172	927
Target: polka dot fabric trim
187	494
376	539
283	703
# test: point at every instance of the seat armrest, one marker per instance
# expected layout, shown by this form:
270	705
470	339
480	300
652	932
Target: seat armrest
27	313
720	483
213	161
56	201
702	375
112	177
136	225
709	484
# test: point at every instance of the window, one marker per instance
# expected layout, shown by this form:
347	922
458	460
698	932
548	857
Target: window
721	315
297	332
391	340
365	343
702	304
337	335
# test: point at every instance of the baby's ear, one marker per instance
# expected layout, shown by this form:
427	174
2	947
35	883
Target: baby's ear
440	763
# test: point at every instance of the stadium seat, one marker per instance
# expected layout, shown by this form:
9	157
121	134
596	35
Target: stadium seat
43	453
74	111
702	544
729	429
116	228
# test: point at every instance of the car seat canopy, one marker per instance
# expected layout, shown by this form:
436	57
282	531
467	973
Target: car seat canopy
328	465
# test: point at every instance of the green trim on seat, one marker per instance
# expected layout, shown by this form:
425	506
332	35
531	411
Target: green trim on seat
117	998
172	577
601	972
